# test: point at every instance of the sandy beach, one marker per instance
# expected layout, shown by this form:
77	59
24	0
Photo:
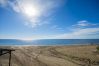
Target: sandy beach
78	55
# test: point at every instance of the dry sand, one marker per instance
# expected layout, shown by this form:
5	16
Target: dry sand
52	56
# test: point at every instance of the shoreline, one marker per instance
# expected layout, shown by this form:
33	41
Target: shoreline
54	45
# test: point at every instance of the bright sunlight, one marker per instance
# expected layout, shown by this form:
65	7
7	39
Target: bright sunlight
30	10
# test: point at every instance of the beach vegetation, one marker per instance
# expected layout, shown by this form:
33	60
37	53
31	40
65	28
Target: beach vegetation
97	48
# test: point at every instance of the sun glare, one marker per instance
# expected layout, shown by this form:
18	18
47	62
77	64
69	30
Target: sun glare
28	40
31	11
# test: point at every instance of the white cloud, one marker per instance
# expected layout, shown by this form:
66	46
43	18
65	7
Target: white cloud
35	11
83	23
82	30
79	34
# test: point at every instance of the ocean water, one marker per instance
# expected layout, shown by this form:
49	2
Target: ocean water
48	42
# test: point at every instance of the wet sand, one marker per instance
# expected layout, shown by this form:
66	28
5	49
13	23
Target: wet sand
79	55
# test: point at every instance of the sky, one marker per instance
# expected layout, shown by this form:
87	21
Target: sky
49	19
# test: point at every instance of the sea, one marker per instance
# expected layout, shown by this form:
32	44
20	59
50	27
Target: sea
48	42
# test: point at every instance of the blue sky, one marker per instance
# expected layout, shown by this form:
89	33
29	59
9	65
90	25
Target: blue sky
49	19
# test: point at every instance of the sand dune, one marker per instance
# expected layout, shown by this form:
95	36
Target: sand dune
52	56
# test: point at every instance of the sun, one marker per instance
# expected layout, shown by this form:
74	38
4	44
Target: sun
30	10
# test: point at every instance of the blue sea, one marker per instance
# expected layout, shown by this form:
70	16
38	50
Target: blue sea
48	42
